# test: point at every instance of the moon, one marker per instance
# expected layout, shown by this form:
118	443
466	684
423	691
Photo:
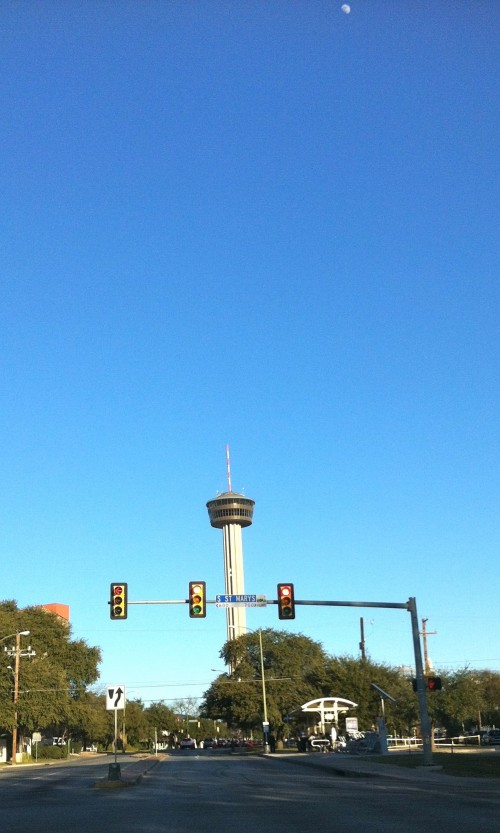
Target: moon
346	8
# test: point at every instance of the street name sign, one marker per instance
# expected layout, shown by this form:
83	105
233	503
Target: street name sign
241	600
115	697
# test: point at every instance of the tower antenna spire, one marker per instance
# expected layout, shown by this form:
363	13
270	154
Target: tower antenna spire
228	465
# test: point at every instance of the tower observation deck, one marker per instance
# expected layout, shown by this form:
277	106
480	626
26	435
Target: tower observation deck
230	508
230	512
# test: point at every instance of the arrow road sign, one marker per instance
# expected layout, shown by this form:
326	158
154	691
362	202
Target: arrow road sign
115	697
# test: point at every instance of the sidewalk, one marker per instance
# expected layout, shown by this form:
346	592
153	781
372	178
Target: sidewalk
130	773
359	766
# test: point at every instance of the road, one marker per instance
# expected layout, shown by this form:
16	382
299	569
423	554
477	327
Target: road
197	790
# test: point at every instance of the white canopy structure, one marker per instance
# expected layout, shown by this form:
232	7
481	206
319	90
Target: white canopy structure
329	709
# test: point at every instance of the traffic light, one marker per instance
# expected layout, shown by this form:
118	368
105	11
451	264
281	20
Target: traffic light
197	599
430	683
286	601
118	600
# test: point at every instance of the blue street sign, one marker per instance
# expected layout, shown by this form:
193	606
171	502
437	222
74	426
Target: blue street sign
241	600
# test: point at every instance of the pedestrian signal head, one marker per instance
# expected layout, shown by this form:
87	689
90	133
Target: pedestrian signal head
197	599
286	601
118	600
430	683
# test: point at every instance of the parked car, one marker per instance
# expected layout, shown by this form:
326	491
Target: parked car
491	738
209	743
187	743
53	742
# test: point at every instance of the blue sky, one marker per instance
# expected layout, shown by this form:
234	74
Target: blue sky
270	224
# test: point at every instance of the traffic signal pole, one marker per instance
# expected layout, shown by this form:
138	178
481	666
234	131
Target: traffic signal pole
425	724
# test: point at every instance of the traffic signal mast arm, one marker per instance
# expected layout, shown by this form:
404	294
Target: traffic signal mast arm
400	605
162	602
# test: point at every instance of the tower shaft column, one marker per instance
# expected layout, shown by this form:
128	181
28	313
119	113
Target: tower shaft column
234	579
230	512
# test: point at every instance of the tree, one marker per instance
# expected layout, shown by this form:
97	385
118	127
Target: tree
160	720
52	683
490	684
352	678
294	671
459	705
136	723
89	721
186	713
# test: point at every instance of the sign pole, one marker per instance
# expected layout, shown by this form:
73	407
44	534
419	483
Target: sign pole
116	734
115	699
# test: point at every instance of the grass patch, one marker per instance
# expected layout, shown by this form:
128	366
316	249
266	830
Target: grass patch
462	764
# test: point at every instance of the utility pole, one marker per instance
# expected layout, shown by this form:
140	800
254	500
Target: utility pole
424	634
362	642
17	654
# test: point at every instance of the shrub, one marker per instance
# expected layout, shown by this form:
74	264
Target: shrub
52	752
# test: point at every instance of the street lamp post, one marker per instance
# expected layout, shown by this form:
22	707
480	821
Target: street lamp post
17	653
265	724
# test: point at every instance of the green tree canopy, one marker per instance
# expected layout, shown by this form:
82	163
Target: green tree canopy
51	682
352	678
467	700
136	723
159	719
294	671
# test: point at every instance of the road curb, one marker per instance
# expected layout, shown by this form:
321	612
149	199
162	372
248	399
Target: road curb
131	775
325	766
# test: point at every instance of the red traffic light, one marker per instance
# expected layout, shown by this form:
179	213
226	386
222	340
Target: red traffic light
118	600
430	683
286	601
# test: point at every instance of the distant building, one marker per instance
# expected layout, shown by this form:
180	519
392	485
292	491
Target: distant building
59	610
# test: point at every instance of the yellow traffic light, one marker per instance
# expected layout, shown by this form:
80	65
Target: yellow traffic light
197	599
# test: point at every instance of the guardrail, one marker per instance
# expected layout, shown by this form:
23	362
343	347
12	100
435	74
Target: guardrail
459	740
394	744
404	743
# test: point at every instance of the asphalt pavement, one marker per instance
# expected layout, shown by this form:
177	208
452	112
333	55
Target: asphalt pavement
353	766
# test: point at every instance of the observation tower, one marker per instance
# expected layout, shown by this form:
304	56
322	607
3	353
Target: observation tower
230	512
